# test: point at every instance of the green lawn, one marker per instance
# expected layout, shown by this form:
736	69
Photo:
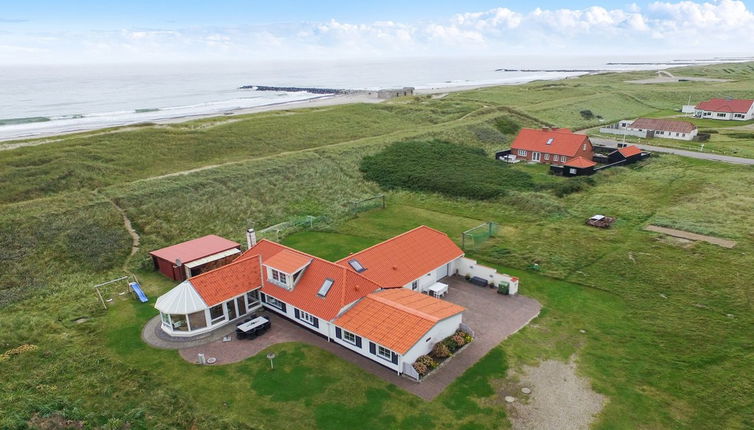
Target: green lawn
668	323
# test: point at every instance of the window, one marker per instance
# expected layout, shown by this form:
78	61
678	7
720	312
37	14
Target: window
721	115
349	337
197	320
165	318
303	316
275	302
549	141
384	352
563	158
572	171
216	314
279	276
547	156
583	147
325	288
241	305
356	265
522	153
415	285
252	297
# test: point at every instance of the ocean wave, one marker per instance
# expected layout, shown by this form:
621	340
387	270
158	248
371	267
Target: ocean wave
28	120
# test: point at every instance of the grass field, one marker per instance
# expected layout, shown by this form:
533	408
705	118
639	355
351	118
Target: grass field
668	324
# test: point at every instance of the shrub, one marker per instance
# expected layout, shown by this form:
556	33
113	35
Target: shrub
507	126
421	368
459	339
586	114
440	350
443	167
451	344
428	361
572	185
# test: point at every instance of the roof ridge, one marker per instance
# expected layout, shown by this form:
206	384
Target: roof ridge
388	240
402	307
235	262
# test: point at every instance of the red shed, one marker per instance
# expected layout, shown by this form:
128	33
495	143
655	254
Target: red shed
196	256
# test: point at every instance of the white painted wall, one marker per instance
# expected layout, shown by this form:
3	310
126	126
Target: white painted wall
364	350
324	325
467	266
440	331
434	275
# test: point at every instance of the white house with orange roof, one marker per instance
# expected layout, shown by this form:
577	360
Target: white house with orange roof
370	302
726	109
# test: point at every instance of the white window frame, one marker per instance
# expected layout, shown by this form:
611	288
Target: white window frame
536	156
381	351
563	158
275	303
522	153
346	335
415	285
547	156
306	317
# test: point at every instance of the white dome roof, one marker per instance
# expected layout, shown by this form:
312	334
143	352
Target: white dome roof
183	299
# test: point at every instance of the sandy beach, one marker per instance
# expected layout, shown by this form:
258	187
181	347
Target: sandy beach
322	101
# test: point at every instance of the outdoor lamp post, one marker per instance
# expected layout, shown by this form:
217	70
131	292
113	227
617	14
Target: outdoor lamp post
270	356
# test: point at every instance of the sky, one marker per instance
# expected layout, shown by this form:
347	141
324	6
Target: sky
71	32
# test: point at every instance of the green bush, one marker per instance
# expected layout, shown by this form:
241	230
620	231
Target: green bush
507	126
586	114
573	185
443	167
440	350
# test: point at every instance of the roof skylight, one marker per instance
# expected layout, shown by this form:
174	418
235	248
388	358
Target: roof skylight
356	265
549	141
325	288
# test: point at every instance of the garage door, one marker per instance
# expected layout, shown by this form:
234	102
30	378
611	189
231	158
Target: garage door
442	272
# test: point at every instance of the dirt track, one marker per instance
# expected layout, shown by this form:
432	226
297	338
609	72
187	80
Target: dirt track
725	243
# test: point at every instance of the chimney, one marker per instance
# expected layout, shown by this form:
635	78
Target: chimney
251	238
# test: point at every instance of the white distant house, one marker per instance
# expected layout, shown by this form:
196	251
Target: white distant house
726	109
380	302
651	127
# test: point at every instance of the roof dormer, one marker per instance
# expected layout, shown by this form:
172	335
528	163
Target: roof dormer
286	268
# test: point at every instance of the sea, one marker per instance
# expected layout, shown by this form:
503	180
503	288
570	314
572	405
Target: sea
45	100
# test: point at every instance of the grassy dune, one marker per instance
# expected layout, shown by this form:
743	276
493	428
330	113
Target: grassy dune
668	323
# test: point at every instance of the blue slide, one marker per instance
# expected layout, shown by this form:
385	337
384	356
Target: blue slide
139	293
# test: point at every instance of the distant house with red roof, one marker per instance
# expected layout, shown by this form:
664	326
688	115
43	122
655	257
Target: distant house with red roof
371	302
555	146
193	257
726	109
653	127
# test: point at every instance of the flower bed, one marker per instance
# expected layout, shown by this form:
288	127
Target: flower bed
441	352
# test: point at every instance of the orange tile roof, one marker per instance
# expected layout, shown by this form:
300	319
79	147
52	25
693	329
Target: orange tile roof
630	151
580	162
226	282
726	105
396	318
564	141
195	249
287	261
406	257
347	287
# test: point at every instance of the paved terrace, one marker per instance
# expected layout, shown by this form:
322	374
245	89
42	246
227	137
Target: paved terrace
492	316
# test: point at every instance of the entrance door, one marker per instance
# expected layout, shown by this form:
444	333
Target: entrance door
535	156
231	307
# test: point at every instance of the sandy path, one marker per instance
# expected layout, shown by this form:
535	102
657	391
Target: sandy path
725	243
559	399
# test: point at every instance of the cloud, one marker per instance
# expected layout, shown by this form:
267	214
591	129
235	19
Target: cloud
659	27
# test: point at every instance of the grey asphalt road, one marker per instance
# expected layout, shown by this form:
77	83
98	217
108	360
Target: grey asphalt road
693	154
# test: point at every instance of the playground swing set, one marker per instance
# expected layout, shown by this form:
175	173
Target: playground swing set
132	285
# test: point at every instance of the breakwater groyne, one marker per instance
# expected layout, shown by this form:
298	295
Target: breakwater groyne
297	89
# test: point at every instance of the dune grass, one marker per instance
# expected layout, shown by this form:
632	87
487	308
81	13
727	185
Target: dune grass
667	324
